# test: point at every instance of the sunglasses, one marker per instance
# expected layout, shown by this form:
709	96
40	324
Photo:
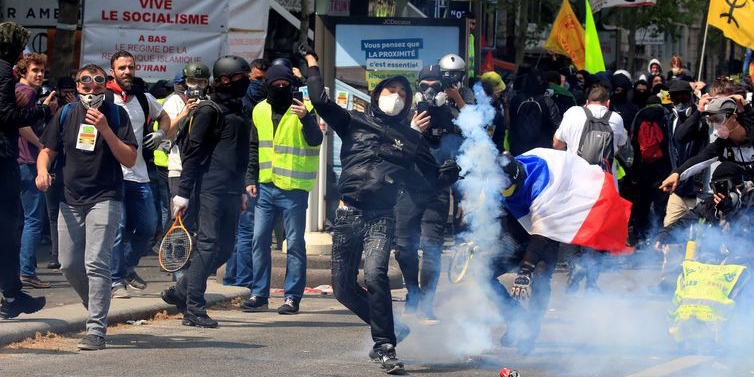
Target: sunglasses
87	79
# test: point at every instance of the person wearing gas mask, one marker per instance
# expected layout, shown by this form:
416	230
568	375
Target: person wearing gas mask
453	71
288	160
139	215
215	155
421	212
733	122
688	136
380	152
190	89
13	38
91	139
730	209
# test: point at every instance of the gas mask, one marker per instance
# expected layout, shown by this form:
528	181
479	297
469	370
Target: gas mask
92	100
719	124
195	91
429	96
683	110
391	104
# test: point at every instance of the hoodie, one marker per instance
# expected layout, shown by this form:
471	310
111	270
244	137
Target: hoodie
649	67
378	152
619	102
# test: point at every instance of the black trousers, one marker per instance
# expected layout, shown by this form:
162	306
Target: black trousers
420	222
539	251
216	236
11	225
53	197
648	197
370	232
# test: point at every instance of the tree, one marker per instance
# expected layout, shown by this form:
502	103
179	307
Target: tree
666	17
65	39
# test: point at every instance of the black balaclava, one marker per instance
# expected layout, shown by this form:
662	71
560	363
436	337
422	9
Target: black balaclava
279	97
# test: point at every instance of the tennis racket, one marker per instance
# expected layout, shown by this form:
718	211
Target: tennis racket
175	247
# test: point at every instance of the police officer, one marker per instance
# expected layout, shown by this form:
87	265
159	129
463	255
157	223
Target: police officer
379	152
215	159
421	212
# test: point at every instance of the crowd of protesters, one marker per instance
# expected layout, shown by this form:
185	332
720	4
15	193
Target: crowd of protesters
112	162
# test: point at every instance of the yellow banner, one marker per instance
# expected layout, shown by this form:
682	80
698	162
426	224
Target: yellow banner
735	18
567	36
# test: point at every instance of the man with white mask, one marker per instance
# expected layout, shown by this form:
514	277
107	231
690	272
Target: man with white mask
380	151
91	139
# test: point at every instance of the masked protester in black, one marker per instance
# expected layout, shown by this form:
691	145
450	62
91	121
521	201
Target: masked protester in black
619	99
13	38
380	152
640	94
215	160
421	212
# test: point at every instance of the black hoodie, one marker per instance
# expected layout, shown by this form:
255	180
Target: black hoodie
619	102
378	151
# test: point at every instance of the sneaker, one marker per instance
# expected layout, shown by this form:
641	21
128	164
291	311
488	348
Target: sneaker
254	304
427	318
171	297
53	265
22	304
201	320
390	362
34	282
135	281
92	342
290	306
119	291
401	333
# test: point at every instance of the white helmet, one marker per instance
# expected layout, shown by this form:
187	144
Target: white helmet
453	67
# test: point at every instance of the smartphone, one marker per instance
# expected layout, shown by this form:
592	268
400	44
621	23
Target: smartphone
298	95
721	187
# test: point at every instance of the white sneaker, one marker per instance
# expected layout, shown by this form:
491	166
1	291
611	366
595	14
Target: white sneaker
119	291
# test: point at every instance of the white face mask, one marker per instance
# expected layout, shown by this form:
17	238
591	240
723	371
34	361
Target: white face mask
91	100
391	104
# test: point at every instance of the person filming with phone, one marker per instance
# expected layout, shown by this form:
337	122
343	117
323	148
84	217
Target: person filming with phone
288	158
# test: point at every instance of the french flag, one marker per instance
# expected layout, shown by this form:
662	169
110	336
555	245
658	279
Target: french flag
566	199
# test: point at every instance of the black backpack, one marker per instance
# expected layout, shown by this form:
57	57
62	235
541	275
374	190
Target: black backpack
596	145
529	120
184	127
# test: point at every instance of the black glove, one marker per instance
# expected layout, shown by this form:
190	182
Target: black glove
302	49
450	170
521	289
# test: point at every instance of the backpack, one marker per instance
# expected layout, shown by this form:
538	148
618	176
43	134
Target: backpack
115	125
529	120
650	137
596	145
184	127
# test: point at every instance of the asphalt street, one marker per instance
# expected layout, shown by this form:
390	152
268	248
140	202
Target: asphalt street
619	333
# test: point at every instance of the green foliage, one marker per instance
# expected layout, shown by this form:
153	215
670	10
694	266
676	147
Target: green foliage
666	16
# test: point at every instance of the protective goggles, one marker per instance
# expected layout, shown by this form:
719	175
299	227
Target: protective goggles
717	120
436	86
87	79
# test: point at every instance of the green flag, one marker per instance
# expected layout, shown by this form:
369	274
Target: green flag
594	61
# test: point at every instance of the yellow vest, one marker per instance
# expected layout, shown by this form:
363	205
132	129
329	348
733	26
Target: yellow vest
160	157
285	159
702	295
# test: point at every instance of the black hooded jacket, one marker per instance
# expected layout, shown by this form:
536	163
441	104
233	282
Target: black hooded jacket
378	151
619	102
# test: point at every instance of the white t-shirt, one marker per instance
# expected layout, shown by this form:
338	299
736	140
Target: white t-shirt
173	106
139	172
572	126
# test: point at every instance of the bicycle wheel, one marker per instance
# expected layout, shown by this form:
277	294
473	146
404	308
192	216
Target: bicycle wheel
460	260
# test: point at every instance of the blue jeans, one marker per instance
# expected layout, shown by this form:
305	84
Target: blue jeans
271	201
137	224
33	202
238	269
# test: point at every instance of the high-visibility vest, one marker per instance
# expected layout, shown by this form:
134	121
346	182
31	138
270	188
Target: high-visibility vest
285	159
160	157
703	294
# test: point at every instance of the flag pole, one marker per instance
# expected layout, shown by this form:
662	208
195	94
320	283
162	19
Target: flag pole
704	47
